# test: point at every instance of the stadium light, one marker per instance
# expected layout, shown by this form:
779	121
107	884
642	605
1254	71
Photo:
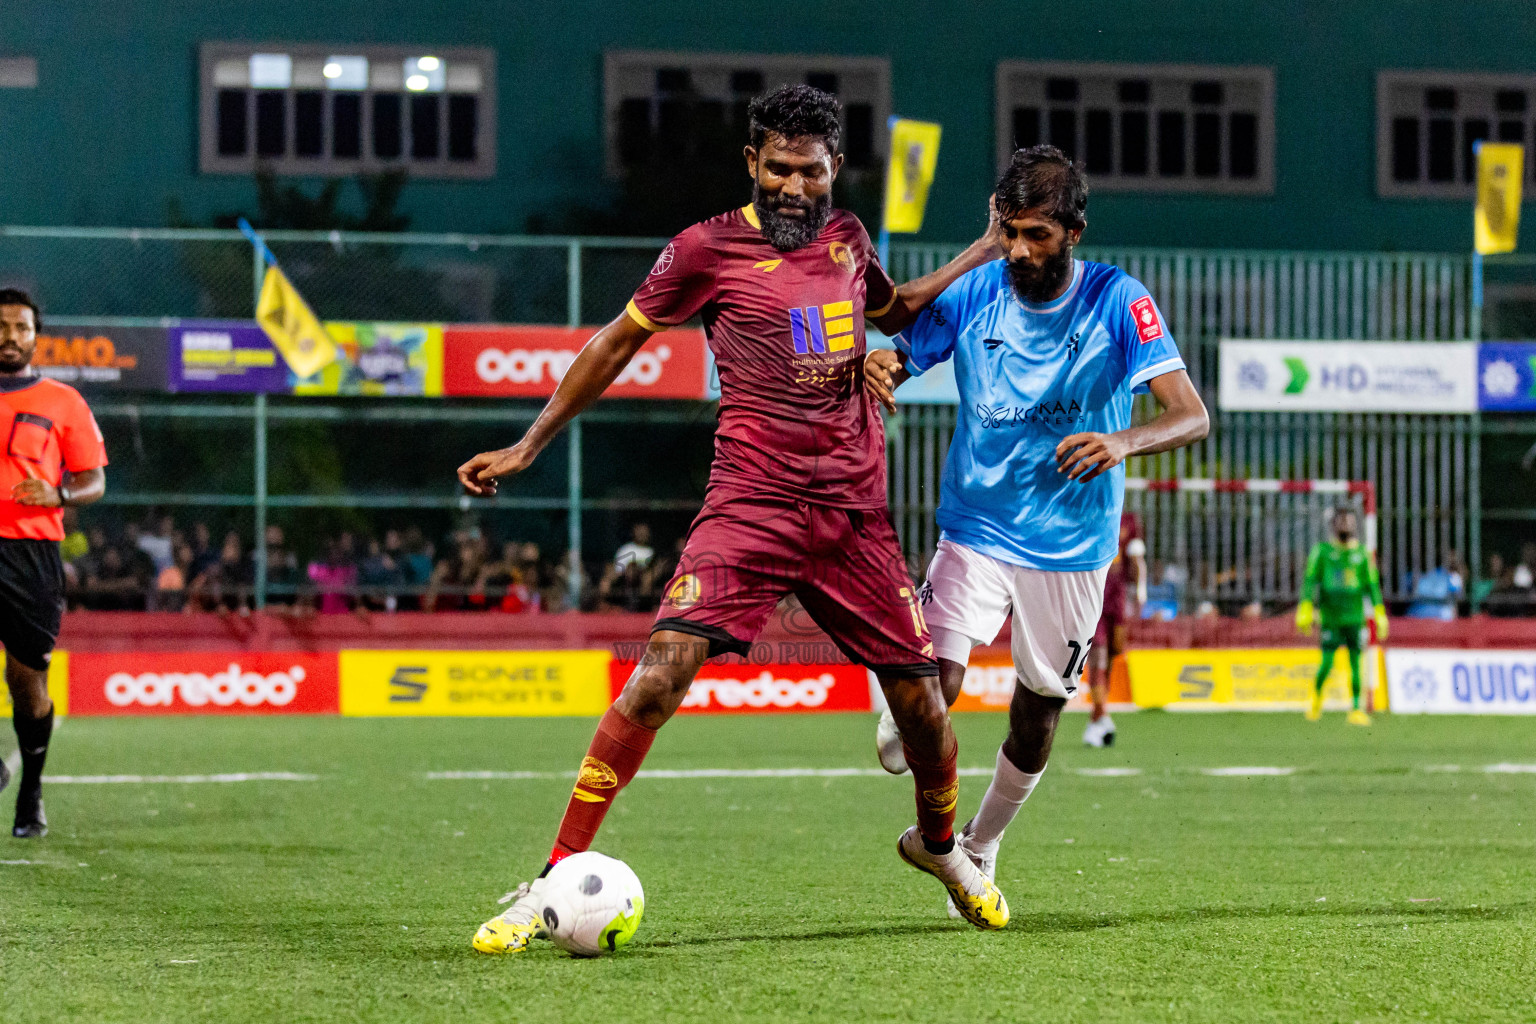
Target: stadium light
425	74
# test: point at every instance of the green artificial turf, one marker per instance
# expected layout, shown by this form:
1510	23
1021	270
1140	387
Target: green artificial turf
1373	884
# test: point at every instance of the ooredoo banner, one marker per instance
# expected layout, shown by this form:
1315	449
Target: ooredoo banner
264	683
1453	682
528	362
499	683
760	689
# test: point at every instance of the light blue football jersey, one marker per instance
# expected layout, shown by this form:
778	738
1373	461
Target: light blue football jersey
1028	376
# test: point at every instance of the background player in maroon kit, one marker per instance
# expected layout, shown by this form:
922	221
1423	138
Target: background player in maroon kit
1127	577
53	457
797	494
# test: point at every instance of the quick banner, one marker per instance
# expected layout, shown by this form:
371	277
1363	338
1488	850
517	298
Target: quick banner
1462	682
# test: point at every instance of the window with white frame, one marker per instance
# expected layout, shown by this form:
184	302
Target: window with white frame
670	105
341	110
1428	123
1145	127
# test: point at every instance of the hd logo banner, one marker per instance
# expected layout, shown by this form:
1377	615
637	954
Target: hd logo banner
488	683
1348	376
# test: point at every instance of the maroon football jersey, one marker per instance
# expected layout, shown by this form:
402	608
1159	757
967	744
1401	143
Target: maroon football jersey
787	333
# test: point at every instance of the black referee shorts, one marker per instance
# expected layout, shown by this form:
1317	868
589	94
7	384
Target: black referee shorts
31	599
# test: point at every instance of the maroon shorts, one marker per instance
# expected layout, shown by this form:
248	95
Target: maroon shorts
1113	614
745	554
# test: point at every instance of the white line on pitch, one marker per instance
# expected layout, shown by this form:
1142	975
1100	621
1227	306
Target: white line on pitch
1250	770
106	780
1505	768
1108	773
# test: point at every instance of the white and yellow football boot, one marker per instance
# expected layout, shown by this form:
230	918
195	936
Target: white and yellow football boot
984	857
973	894
512	930
1358	717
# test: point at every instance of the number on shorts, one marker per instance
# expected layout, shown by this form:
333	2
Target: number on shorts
918	624
1079	659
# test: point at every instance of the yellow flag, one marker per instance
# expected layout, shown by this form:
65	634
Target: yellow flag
1496	222
293	327
914	155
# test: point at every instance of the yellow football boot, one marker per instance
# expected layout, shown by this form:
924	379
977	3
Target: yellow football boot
512	930
1315	712
1358	717
971	892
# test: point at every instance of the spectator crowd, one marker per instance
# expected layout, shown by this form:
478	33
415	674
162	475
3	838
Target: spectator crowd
158	565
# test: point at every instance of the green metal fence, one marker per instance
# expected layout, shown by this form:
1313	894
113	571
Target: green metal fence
1425	467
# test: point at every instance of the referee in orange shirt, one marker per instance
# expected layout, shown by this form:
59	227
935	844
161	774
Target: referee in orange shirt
53	457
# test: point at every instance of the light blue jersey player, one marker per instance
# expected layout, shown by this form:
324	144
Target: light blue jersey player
1049	352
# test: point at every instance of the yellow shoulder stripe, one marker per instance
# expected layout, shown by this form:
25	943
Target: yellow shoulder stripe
750	212
643	320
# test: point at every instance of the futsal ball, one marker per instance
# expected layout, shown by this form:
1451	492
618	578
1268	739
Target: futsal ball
592	904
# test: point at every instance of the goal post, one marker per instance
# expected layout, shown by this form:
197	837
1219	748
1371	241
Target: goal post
1239	541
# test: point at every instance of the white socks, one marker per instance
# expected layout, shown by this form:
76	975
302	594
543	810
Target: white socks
1007	793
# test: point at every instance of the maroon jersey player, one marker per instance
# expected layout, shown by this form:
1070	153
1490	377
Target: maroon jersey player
796	500
1109	640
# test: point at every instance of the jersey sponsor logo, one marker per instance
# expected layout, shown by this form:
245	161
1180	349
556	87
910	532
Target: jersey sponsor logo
841	255
822	329
685	591
664	261
767	266
1057	413
1149	327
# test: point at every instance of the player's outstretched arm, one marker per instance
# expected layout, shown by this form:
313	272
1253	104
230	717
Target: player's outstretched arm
914	296
599	363
1182	421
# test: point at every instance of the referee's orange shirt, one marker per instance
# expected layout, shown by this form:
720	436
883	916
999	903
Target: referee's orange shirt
48	428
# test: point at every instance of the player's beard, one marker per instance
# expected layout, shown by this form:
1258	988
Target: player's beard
1041	284
786	234
13	359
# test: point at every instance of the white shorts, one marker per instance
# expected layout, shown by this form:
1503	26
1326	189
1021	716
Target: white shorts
1055	614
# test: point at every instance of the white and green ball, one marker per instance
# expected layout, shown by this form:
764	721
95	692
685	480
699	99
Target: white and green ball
591	904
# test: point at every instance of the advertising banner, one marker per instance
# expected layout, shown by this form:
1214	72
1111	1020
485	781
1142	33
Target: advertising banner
766	689
490	683
58	687
1462	682
380	359
265	683
1348	376
223	356
96	357
1232	679
1506	376
528	362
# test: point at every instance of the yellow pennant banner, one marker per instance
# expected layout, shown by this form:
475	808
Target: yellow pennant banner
293	327
1496	222
914	155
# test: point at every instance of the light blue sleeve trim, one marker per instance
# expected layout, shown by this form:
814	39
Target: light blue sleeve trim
1157	370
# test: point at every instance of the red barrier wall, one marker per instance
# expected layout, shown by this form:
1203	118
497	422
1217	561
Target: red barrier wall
790	637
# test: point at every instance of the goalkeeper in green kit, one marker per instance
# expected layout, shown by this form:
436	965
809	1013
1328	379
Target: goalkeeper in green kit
1341	574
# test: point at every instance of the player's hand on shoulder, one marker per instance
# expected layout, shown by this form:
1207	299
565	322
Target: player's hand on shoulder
479	475
880	367
1085	456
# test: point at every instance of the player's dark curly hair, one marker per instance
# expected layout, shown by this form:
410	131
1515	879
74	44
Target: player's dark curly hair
794	112
1043	176
17	297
